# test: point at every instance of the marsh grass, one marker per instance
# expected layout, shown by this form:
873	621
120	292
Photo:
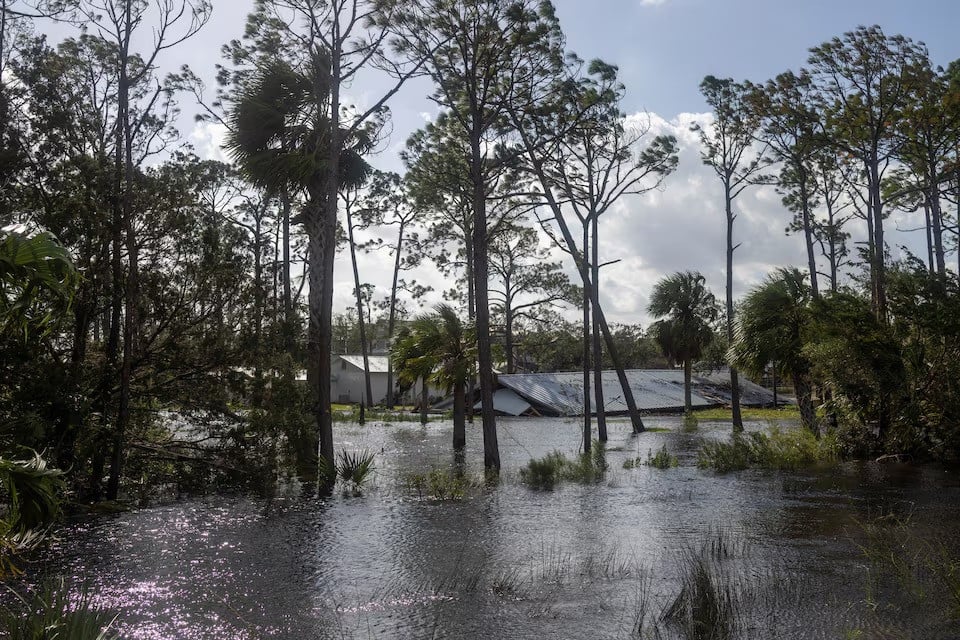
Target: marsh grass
442	485
789	412
662	460
53	611
782	449
554	468
904	563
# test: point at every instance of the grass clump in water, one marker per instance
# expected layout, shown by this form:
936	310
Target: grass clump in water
905	563
555	467
789	449
662	460
441	485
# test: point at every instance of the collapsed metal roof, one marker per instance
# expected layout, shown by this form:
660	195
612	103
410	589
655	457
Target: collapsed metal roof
378	364
508	403
653	390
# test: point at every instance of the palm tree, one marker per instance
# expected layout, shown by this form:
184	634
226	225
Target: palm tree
689	311
280	135
37	280
772	327
440	348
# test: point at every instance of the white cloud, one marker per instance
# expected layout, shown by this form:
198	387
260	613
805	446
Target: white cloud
652	3
207	139
681	227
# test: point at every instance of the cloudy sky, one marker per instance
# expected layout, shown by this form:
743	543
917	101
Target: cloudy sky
663	49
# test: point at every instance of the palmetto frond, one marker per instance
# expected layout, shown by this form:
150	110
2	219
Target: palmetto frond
280	130
34	267
438	346
688	310
771	323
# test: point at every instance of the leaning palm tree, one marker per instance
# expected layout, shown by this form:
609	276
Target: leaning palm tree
689	311
441	348
771	327
280	135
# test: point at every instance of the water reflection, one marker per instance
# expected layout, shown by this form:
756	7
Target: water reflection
505	561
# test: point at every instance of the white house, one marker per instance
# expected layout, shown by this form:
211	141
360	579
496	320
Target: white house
346	379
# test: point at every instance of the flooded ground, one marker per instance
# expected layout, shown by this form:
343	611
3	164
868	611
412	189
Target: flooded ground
580	561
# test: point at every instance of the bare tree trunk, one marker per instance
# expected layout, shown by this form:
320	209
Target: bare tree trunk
929	234
635	419
491	449
130	318
361	322
288	333
687	394
585	276
937	219
471	312
734	378
258	303
808	415
597	351
391	320
808	237
424	398
459	417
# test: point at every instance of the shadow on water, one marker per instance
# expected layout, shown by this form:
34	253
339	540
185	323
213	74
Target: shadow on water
433	550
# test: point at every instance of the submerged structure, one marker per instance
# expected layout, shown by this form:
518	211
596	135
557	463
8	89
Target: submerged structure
655	390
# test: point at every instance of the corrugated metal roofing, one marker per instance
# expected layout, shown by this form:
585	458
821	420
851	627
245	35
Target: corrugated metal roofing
378	364
653	390
507	402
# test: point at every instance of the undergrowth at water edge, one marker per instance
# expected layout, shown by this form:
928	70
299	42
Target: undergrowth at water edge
783	449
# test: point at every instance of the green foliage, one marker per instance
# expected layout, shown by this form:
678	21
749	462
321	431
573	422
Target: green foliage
54	612
708	604
442	485
662	460
439	346
903	562
32	491
355	467
555	467
786	413
546	472
37	279
690	310
789	449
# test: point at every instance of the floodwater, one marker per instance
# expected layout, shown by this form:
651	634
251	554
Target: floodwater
507	561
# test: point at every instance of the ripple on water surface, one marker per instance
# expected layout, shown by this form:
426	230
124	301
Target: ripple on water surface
508	561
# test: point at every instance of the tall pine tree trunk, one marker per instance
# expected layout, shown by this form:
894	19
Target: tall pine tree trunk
734	378
597	351
392	318
491	449
585	276
361	321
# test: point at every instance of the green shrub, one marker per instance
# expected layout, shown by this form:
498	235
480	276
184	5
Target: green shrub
547	472
441	484
789	449
663	459
354	468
